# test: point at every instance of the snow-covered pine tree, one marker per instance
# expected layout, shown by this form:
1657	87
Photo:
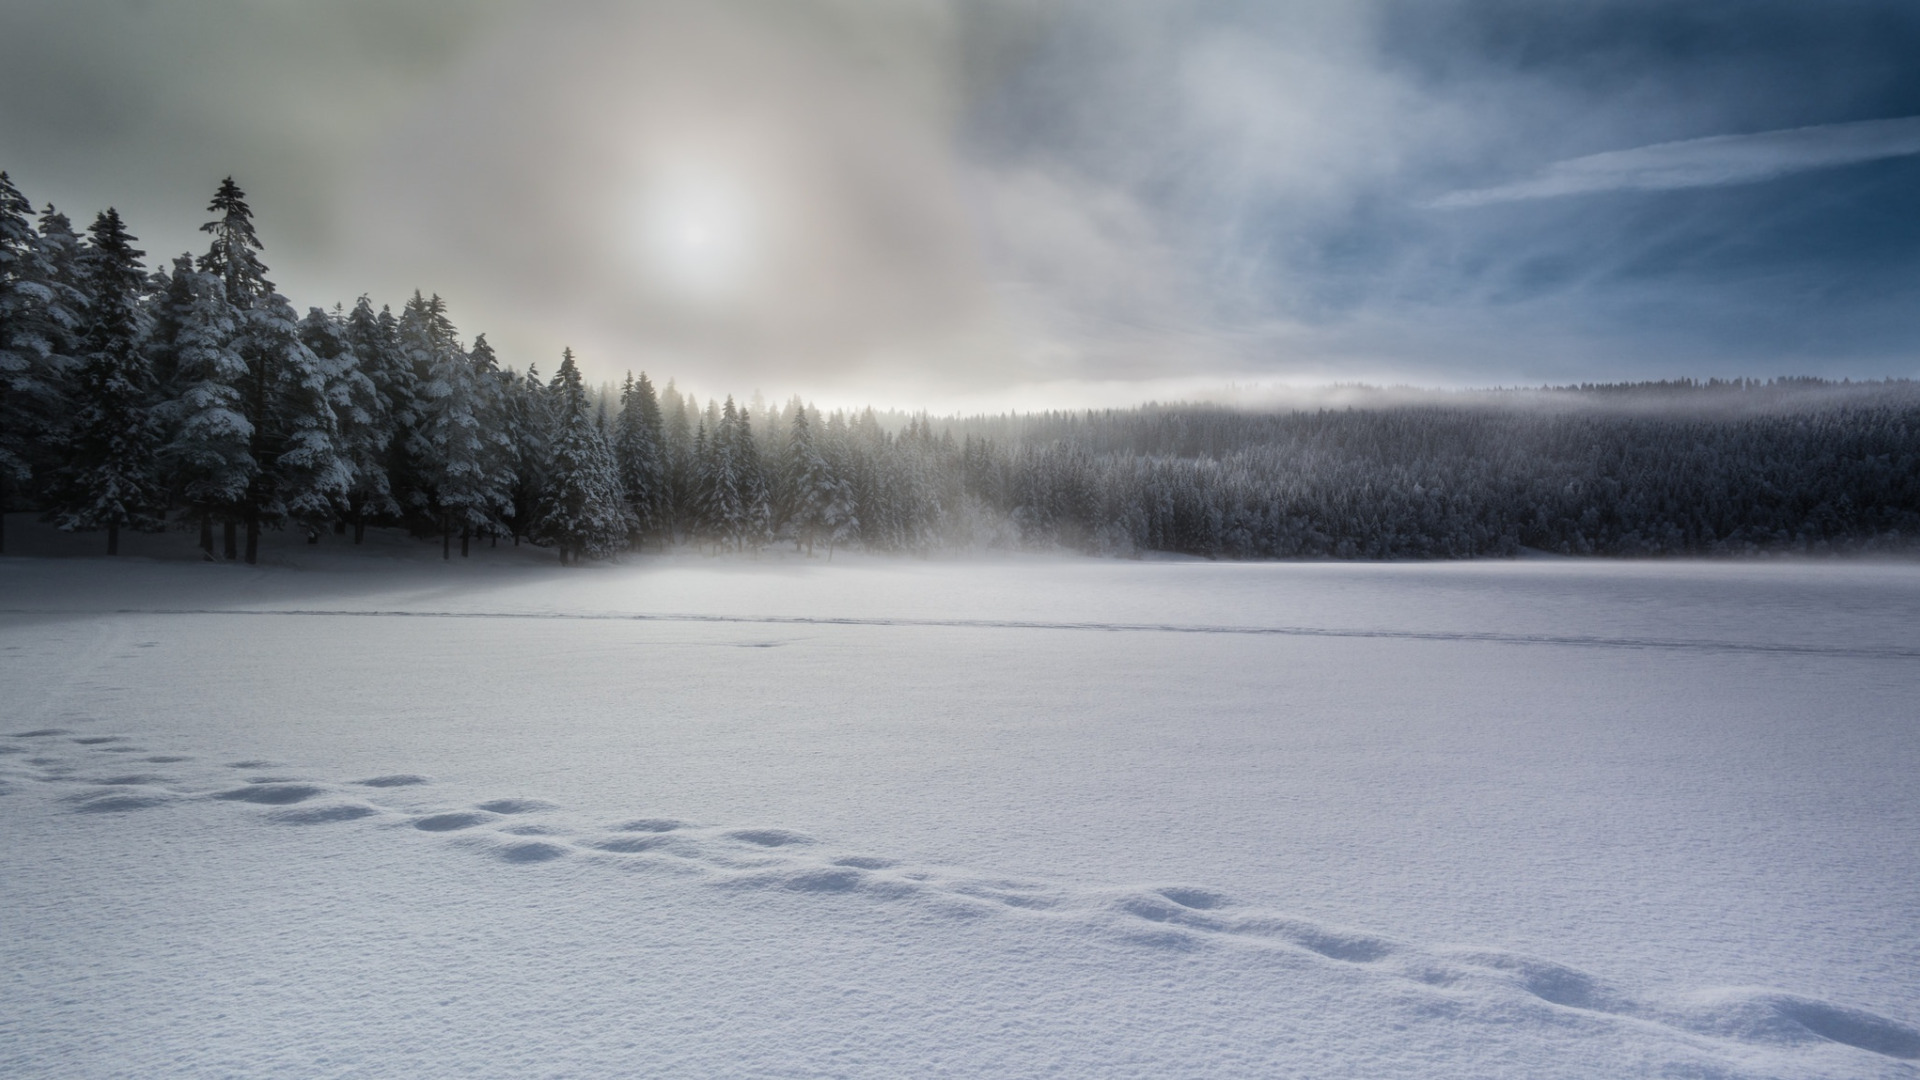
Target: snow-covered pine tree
376	340
722	510
427	339
583	513
676	443
459	442
366	415
492	387
528	425
839	517
208	452
60	251
637	449
109	480
300	472
36	313
358	412
807	484
310	473
756	494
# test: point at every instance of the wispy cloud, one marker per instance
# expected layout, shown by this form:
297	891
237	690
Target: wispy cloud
1710	162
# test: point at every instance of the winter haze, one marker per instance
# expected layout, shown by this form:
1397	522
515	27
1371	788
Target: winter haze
945	204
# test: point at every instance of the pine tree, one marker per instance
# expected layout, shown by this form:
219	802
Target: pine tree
300	472
367	415
459	443
36	315
309	473
678	461
208	451
376	340
807	485
492	389
756	494
109	480
722	510
528	423
428	341
637	448
583	513
359	413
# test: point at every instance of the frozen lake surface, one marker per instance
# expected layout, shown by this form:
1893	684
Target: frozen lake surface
373	815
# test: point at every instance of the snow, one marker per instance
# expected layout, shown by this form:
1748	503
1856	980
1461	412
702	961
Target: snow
368	814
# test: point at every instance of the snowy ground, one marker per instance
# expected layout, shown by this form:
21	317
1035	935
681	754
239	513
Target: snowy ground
372	815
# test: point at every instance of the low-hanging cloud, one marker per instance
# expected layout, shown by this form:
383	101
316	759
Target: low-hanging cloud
1712	161
1002	201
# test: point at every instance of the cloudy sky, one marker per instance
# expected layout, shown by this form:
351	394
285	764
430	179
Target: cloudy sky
949	203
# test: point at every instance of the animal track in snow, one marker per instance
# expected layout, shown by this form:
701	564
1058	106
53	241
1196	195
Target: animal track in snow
271	793
396	780
516	806
1181	917
450	822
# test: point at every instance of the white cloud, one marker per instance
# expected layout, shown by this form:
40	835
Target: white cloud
1709	162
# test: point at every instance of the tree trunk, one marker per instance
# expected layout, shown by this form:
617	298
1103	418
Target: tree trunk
446	541
206	535
253	537
113	539
340	526
229	540
359	526
464	530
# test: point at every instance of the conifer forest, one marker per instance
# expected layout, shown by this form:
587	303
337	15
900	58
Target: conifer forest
194	395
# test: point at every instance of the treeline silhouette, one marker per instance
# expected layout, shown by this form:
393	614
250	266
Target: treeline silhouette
196	396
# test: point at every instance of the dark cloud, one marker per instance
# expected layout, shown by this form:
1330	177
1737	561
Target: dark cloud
990	199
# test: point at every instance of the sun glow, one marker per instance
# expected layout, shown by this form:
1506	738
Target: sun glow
699	233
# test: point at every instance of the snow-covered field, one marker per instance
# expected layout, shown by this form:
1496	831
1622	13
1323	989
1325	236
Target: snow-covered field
372	815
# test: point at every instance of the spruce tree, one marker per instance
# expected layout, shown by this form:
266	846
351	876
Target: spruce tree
457	441
638	450
208	451
367	420
109	480
583	513
807	484
493	388
756	494
528	426
360	412
300	472
36	316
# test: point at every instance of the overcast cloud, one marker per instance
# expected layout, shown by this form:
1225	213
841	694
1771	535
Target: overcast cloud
936	202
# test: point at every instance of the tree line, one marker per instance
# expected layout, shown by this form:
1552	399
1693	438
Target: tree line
196	396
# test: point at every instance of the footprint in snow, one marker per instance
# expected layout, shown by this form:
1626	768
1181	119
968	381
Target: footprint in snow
271	794
396	780
770	837
323	815
532	851
516	806
116	801
652	825
450	822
